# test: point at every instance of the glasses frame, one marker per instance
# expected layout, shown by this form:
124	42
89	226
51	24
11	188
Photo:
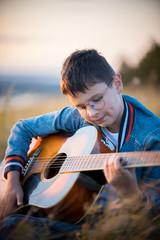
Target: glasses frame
91	104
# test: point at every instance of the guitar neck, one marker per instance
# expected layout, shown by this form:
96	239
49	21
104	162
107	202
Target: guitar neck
96	161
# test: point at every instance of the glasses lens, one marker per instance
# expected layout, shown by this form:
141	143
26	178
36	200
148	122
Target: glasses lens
98	105
75	112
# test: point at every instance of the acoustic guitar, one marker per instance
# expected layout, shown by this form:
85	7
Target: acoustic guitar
63	176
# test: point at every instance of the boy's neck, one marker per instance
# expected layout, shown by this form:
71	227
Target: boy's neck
116	126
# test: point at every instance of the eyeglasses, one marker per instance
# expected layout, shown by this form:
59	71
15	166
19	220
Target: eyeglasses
97	104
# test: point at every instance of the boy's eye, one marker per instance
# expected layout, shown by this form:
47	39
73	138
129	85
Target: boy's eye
81	107
97	99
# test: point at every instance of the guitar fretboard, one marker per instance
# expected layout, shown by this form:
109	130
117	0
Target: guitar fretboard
96	161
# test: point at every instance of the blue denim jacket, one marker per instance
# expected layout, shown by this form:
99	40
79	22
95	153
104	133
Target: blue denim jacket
139	131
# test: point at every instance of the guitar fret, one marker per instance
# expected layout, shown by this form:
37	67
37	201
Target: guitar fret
156	157
96	161
148	158
144	162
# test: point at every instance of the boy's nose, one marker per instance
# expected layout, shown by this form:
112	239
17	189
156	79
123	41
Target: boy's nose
91	111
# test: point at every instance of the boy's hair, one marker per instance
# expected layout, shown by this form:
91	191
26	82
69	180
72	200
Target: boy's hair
83	69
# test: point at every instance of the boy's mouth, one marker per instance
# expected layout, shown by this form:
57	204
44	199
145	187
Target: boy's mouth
99	120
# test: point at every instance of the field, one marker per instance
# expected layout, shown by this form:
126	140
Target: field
14	108
119	225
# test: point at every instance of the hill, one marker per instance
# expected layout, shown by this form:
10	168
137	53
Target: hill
28	84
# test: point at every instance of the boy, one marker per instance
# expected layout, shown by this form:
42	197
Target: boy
95	91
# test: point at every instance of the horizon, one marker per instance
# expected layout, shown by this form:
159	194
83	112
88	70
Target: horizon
38	45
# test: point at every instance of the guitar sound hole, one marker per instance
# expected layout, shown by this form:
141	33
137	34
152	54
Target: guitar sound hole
54	165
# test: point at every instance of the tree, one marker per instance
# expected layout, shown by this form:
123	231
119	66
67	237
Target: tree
148	69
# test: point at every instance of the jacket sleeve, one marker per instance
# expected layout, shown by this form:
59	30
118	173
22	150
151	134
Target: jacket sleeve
24	130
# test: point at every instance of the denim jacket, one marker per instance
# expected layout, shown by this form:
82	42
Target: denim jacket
139	131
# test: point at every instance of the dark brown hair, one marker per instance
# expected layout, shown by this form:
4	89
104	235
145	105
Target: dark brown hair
83	69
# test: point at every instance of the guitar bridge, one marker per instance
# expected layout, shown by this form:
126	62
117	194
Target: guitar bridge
28	164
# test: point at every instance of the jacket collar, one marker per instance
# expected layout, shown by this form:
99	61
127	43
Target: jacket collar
126	123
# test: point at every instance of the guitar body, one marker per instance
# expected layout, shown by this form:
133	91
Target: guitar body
62	196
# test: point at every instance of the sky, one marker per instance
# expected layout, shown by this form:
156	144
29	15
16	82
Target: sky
37	35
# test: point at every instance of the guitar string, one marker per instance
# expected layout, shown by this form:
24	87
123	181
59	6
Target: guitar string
87	157
89	167
133	156
59	161
99	156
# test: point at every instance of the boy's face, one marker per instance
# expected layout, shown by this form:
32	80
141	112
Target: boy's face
111	111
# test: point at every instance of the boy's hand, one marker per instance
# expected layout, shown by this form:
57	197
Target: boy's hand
122	180
13	194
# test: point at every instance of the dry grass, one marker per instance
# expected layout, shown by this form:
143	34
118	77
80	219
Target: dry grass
147	95
14	108
119	225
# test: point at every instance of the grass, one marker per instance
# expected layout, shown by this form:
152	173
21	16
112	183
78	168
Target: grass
148	95
115	224
119	225
13	109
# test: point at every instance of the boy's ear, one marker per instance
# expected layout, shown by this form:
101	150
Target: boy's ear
117	82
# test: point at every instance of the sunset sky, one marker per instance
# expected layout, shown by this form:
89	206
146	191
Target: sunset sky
37	35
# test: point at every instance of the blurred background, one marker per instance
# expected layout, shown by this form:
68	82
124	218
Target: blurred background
36	36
